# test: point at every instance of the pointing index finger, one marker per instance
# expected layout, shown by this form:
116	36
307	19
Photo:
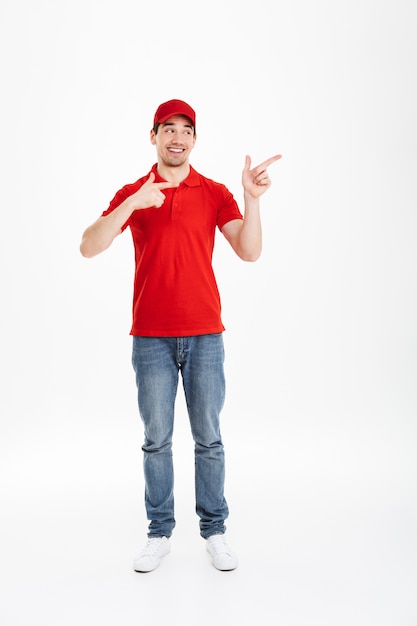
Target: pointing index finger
166	185
268	162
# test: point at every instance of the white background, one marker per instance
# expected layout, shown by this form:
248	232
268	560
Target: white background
320	419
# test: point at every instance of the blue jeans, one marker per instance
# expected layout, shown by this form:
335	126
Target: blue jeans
157	362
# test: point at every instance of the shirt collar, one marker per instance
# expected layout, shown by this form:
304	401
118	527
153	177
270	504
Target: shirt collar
192	180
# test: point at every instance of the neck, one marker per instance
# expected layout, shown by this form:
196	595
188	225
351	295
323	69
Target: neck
173	174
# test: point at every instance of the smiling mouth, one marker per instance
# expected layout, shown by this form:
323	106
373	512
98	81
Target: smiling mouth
176	150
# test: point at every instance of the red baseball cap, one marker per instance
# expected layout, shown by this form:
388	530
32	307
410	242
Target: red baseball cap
173	107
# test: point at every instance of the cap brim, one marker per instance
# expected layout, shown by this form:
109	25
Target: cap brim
172	113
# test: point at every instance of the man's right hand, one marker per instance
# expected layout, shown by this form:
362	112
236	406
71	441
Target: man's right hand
150	194
102	232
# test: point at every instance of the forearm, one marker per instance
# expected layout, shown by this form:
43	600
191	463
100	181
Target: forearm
99	236
249	241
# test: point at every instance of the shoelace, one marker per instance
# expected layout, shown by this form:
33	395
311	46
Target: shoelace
219	545
151	547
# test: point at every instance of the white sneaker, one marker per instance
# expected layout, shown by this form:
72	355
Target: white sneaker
222	556
151	556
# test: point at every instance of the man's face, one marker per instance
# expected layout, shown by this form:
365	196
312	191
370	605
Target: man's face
174	141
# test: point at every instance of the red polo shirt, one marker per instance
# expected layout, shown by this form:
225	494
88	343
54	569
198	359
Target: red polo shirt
175	290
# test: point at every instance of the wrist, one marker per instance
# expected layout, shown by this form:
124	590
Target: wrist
250	199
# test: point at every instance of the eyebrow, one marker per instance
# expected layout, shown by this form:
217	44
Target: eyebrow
173	124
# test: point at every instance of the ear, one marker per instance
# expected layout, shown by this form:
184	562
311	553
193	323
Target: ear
152	137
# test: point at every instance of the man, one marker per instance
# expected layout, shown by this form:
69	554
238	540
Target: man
173	213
